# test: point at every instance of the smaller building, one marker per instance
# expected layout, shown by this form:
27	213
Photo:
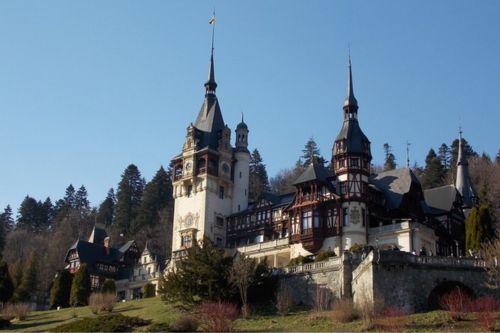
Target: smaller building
130	268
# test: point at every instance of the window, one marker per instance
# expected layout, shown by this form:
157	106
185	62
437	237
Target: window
221	192
306	220
238	208
94	282
189	190
354	162
363	216
186	241
240	174
316	219
345	216
219	221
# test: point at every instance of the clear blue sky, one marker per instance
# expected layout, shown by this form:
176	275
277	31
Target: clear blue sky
88	87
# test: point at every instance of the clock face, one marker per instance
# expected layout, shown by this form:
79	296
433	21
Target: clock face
225	168
188	166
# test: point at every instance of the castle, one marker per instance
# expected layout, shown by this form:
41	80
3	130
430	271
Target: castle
331	209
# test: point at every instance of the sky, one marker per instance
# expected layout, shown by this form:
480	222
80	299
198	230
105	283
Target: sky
89	87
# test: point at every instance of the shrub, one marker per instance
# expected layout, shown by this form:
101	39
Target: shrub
4	323
323	255
16	310
299	261
343	311
108	286
456	302
218	316
80	287
485	306
284	298
356	248
108	323
102	302
149	290
60	291
185	323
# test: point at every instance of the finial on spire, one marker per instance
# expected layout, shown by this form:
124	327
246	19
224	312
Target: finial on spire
408	154
242	118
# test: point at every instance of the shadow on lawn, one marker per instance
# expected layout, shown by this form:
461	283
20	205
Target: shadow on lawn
25	325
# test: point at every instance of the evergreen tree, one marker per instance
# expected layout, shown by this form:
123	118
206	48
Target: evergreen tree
6	285
433	172
28	287
70	197
81	201
444	155
311	153
258	180
390	159
471	226
6	226
80	287
480	224
47	212
467	149
60	291
497	159
106	210
129	198
157	194
203	274
27	217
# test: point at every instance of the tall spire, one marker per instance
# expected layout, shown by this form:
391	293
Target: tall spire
211	85
463	182
350	102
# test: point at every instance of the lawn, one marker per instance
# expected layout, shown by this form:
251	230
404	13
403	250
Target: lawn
300	321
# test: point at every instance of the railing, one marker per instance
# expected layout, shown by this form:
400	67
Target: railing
391	227
314	266
449	261
263	245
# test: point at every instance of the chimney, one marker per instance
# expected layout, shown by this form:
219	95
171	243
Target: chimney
107	242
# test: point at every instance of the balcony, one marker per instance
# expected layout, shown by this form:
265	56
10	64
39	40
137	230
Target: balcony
278	243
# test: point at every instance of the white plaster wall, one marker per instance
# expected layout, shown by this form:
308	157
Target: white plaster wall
353	233
240	195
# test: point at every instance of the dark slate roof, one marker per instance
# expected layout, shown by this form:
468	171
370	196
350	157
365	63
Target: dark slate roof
440	199
313	172
275	200
394	184
98	234
209	122
353	136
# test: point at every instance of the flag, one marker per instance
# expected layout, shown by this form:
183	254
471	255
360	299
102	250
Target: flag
212	20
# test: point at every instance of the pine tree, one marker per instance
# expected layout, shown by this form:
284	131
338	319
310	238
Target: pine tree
471	226
6	284
203	274
27	217
81	201
433	172
311	153
129	198
156	196
106	210
6	226
444	155
61	289
467	149
28	287
70	197
390	159
80	287
47	213
258	180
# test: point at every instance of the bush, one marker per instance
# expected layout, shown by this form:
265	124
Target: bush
218	316
16	310
343	311
108	286
323	255
149	290
284	298
457	303
4	323
108	323
102	302
299	261
485	306
185	323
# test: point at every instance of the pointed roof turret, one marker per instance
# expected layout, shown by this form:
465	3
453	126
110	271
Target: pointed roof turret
463	182
209	122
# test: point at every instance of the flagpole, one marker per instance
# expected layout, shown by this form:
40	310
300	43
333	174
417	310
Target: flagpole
213	30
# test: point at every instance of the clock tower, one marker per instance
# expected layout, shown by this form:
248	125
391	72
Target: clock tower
204	179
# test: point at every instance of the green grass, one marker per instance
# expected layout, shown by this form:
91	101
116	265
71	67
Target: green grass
300	321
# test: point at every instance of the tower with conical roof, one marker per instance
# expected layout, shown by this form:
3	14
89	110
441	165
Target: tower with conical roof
351	157
206	179
463	182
